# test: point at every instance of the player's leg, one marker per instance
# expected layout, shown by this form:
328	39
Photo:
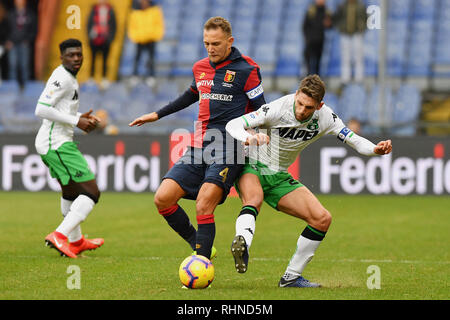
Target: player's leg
209	196
218	180
69	194
85	195
301	203
252	196
68	165
166	201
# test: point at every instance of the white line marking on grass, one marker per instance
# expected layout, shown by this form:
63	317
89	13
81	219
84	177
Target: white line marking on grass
362	261
267	259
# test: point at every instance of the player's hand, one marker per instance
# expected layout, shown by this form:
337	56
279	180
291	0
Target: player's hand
149	117
383	147
257	139
88	122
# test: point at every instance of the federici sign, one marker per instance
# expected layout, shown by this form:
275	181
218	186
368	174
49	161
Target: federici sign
418	165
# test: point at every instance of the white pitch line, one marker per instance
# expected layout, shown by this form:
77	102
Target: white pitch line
267	259
363	260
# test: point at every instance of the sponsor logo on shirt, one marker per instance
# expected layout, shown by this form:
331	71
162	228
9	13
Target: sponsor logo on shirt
296	134
206	83
217	96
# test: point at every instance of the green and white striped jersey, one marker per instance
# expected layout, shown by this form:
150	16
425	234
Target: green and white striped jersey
60	93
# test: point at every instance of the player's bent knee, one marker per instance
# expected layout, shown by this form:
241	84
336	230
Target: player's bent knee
202	208
325	220
163	200
257	203
321	220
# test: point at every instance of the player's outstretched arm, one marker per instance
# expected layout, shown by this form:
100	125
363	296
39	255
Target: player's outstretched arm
383	147
149	117
366	147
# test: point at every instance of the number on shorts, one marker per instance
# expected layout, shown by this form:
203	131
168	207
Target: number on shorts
224	174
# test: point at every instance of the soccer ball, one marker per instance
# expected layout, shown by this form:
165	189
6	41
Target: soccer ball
196	272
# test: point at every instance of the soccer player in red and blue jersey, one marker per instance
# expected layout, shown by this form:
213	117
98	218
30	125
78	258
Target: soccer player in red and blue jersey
227	85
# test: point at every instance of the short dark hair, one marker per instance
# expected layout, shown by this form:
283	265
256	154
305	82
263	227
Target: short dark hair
69	43
313	87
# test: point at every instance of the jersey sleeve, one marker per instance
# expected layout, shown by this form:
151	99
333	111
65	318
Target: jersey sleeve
193	87
253	88
263	117
344	134
54	91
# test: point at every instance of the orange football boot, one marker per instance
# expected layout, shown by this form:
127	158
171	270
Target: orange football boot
85	244
58	241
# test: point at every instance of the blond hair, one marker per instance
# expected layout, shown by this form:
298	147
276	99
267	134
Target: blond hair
313	87
218	23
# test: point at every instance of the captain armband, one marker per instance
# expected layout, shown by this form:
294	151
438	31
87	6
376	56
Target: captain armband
344	134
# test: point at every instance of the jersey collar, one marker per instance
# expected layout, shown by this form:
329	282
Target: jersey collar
73	75
234	54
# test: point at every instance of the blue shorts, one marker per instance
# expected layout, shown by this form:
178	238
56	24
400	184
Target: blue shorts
191	171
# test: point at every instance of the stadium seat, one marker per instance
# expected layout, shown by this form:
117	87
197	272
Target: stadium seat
9	87
272	95
371	52
244	29
377	116
418	62
331	56
407	108
223	8
353	103
33	89
171	10
399	9
396	46
289	59
332	101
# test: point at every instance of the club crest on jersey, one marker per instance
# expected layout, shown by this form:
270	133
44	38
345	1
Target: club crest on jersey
229	76
313	125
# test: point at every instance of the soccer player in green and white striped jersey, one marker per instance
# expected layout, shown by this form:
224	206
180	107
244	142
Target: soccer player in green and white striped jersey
58	108
292	122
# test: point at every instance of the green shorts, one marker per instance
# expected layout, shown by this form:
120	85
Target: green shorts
275	185
67	163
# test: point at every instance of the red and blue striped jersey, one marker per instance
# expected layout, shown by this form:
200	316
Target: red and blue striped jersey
225	90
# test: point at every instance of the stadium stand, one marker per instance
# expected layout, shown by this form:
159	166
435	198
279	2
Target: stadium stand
418	56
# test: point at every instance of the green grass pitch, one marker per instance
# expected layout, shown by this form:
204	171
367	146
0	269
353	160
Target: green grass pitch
406	237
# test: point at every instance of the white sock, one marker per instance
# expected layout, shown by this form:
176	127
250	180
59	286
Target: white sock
79	210
75	235
304	253
245	226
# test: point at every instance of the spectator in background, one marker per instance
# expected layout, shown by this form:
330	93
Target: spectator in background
317	20
351	21
354	125
3	37
104	127
101	33
146	28
22	28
